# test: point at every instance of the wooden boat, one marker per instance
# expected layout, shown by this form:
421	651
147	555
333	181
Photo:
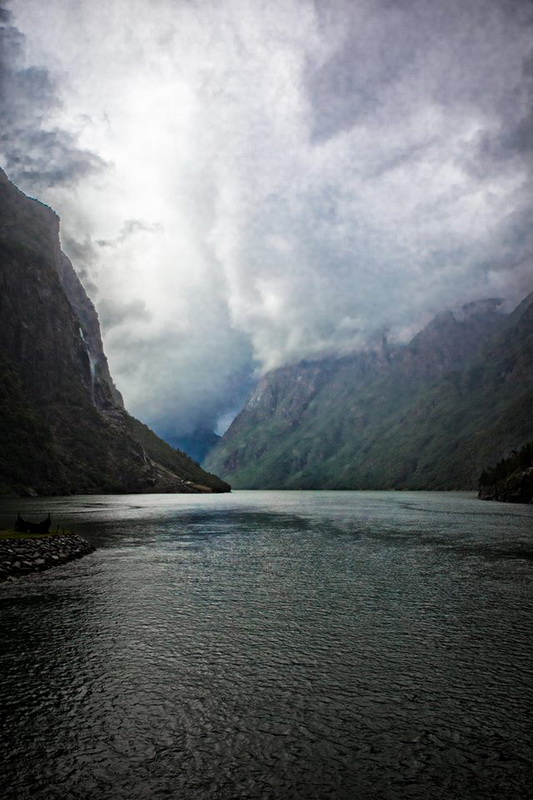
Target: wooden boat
23	526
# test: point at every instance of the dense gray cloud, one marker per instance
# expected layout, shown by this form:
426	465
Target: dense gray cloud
283	179
31	150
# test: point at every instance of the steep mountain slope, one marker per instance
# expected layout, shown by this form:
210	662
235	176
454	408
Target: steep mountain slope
429	415
63	428
84	309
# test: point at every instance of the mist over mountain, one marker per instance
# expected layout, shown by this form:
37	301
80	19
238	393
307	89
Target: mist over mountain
63	426
428	415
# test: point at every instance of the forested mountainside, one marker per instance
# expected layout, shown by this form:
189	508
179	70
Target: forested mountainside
429	415
63	427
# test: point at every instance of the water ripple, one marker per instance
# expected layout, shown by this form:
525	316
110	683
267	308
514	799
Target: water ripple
277	646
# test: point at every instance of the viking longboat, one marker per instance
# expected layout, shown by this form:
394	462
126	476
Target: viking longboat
23	526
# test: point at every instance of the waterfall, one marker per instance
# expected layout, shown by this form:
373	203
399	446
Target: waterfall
92	365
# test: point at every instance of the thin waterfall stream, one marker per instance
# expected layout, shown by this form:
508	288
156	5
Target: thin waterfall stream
92	365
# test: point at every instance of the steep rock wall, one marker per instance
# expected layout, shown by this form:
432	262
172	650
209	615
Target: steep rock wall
63	428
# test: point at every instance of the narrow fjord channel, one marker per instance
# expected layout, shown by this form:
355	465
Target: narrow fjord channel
277	645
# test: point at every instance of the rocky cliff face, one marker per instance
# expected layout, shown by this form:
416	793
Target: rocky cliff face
63	428
427	415
104	390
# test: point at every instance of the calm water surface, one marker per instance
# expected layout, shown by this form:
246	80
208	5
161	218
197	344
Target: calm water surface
282	645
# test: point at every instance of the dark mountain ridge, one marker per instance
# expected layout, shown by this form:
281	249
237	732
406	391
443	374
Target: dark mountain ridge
63	428
428	415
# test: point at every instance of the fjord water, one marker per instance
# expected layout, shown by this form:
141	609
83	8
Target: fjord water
276	645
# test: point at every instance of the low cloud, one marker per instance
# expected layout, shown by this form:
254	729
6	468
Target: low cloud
34	151
282	180
129	228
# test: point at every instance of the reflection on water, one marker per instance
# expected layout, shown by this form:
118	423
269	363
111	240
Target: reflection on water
273	645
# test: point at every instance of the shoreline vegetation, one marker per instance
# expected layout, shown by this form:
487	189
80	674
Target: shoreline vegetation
29	553
511	479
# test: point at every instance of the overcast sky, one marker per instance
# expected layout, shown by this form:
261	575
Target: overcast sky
244	183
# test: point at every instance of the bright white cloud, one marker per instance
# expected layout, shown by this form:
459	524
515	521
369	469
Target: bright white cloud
302	175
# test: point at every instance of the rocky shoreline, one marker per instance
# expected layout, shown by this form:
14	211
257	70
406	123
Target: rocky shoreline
24	556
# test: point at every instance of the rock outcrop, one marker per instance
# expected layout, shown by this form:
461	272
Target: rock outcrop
63	428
